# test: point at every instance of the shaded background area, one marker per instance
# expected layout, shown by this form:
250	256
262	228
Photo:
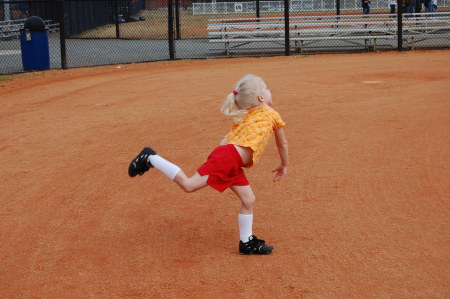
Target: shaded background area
362	213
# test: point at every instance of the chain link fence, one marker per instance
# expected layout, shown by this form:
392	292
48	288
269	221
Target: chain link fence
298	6
102	32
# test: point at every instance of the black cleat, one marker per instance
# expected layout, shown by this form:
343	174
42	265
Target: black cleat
140	164
254	246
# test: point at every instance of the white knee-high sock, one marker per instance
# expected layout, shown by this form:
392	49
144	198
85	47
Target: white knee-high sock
245	226
166	167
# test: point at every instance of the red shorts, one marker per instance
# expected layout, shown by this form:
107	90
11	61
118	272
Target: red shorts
224	167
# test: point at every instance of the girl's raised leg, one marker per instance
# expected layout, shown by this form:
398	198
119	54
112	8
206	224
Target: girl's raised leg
191	184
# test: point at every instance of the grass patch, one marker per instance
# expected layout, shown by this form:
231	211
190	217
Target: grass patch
191	26
12	77
5	78
155	26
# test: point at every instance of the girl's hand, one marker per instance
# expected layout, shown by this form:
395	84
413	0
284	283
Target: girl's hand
281	170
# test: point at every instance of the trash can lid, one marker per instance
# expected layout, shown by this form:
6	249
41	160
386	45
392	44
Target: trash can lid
35	24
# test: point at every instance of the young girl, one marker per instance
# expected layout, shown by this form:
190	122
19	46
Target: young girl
255	121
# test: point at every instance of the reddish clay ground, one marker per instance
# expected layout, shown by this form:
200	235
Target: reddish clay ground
363	212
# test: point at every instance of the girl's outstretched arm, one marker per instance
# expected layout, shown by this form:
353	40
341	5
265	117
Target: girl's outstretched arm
282	146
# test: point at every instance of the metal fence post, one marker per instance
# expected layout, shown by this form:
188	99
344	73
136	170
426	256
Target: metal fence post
400	25
116	18
338	7
62	33
177	19
287	42
170	29
257	9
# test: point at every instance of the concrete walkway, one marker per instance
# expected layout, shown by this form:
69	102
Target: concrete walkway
93	52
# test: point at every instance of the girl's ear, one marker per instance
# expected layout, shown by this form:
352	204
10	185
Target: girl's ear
260	99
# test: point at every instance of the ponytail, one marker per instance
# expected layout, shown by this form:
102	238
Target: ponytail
244	96
229	107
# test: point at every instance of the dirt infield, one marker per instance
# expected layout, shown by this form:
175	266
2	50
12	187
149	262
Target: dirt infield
363	212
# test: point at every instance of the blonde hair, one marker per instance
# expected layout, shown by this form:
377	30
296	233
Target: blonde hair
244	96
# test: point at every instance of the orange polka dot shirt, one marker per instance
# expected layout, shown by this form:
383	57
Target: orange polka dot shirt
255	129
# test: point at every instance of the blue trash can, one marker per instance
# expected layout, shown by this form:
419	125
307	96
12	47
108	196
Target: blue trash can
34	45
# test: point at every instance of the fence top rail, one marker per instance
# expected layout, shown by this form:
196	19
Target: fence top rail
323	17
